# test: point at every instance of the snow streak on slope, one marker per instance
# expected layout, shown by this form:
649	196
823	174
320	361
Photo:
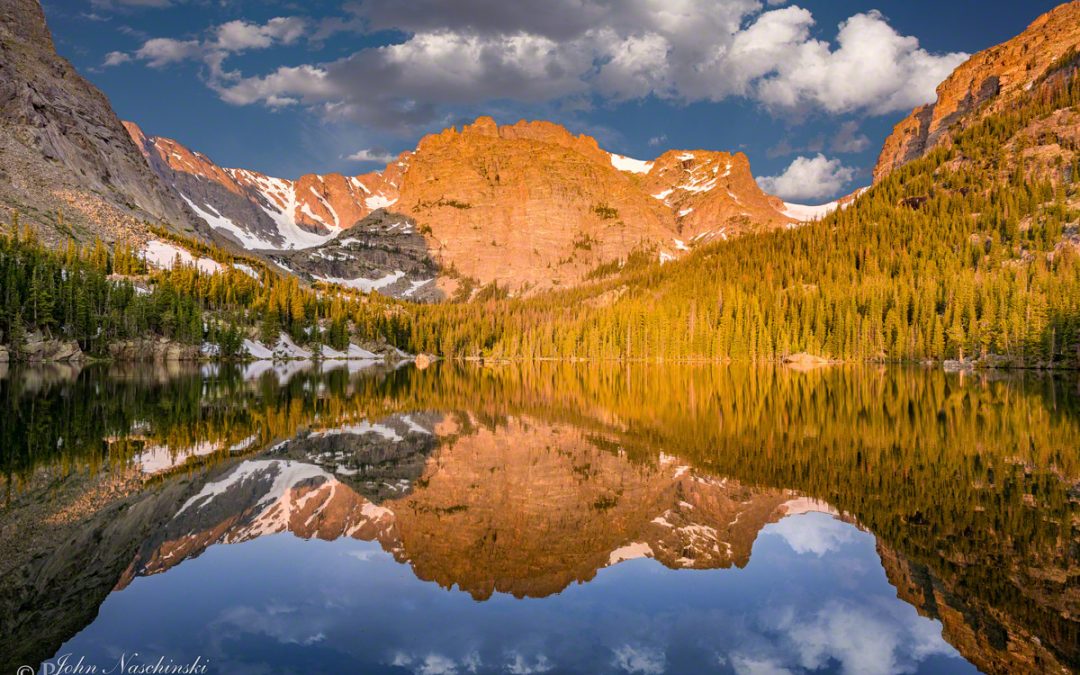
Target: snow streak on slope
630	164
804	213
163	255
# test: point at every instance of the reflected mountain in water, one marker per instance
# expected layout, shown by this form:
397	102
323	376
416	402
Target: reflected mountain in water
527	510
526	481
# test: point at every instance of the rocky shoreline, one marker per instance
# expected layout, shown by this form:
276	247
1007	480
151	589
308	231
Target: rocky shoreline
39	350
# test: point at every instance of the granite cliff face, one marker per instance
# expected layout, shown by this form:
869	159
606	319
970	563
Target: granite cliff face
986	636
66	163
384	252
988	83
712	195
526	206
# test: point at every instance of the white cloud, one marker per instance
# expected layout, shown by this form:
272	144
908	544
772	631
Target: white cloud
864	641
809	178
657	140
745	665
228	38
519	665
813	534
873	69
115	59
158	52
643	660
236	36
371	155
484	51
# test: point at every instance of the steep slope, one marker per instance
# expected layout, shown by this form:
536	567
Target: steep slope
262	212
384	252
66	163
988	83
526	206
712	194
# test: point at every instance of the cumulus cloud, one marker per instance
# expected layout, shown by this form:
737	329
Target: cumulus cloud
873	68
863	641
436	664
814	534
519	665
158	52
371	155
228	38
809	178
746	665
482	51
236	36
115	59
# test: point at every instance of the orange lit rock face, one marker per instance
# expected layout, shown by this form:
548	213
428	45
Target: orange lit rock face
529	206
985	84
712	195
263	212
994	643
533	508
527	509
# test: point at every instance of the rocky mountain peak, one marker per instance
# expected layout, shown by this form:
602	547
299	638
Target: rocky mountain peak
66	162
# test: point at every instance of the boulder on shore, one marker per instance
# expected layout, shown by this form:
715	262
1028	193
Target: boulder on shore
805	361
422	361
160	349
37	349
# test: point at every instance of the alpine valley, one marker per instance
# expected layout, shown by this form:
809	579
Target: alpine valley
516	403
981	185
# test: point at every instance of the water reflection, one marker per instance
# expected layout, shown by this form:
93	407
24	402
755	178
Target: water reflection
649	520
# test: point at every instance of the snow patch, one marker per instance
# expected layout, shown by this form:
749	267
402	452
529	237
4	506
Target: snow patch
629	164
362	284
804	213
637	549
164	255
376	202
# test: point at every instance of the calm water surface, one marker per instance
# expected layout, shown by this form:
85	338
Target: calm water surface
539	518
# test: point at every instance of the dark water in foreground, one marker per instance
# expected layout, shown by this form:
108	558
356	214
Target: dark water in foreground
543	518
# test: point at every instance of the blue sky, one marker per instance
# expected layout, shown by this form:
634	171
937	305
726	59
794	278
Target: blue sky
808	90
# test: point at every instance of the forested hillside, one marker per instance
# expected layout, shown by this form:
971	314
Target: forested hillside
973	249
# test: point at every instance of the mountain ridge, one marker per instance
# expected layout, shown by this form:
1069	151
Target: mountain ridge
986	83
525	206
66	162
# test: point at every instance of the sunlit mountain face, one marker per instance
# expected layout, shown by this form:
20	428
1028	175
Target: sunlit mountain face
543	518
